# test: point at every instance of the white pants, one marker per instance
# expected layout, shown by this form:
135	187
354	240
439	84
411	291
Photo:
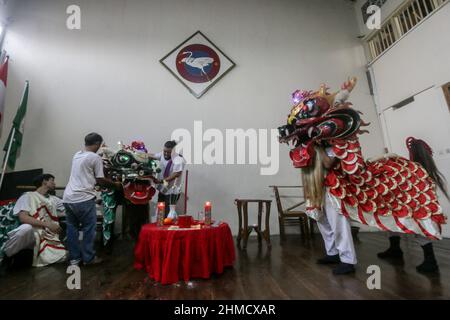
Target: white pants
420	240
20	238
336	233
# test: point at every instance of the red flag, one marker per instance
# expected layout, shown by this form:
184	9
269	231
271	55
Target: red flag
3	81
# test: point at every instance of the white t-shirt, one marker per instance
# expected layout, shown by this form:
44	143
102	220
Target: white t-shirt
178	164
23	204
86	167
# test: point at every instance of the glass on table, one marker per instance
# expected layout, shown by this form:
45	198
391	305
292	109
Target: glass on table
200	216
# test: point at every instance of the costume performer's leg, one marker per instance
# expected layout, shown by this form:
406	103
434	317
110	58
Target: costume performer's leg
327	235
342	233
336	233
429	263
18	249
138	216
394	251
19	239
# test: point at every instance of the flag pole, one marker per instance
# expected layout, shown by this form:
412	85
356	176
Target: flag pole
7	157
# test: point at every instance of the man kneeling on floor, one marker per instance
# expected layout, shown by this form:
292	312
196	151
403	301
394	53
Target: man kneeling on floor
39	230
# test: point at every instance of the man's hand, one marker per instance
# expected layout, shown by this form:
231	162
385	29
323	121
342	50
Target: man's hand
54	227
108	183
25	218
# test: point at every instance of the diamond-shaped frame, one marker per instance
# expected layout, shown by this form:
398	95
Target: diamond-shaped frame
199	69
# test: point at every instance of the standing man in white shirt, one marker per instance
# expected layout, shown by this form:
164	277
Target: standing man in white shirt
172	166
79	200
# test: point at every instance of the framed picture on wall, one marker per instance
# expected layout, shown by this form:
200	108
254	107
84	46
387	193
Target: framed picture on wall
197	63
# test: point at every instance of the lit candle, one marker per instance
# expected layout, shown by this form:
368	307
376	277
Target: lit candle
161	212
208	213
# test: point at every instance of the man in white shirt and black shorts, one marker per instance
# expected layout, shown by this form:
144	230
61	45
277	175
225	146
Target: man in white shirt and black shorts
79	200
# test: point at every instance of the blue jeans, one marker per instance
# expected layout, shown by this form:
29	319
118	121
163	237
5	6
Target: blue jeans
81	215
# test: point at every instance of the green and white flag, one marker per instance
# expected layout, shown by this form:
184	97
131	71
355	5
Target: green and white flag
16	132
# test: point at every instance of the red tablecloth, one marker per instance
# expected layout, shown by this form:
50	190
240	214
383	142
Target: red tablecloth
172	255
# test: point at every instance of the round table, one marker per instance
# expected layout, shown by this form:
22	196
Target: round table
172	255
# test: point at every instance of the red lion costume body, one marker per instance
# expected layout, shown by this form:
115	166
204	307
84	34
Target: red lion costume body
392	193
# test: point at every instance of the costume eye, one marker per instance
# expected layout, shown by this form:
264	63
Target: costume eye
310	104
124	158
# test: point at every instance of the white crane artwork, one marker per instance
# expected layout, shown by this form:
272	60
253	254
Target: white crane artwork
199	63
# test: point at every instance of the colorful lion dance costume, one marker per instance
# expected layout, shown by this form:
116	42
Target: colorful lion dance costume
392	193
132	166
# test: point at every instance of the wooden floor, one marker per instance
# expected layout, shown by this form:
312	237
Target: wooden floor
288	271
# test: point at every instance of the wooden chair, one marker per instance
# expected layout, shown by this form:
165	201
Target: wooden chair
245	229
292	215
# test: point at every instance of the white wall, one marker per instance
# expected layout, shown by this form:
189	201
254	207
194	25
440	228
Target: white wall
6	11
417	62
106	77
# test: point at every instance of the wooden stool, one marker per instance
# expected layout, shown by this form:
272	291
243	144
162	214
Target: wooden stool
245	229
